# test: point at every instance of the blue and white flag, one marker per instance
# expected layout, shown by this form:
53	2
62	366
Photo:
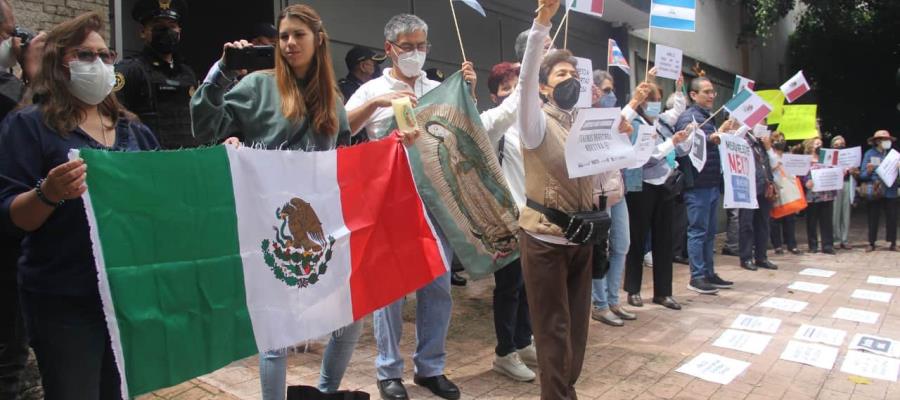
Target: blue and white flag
679	15
475	5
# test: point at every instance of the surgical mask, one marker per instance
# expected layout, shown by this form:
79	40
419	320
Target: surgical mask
165	40
779	145
608	100
885	144
411	63
91	82
7	58
652	109
566	93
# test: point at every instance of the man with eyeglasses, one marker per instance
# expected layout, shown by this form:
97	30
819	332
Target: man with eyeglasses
155	84
369	109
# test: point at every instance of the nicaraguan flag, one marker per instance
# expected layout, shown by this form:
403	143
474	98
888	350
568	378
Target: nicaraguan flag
615	58
748	108
795	87
677	15
475	5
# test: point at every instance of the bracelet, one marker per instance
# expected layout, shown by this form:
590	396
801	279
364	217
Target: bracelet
43	198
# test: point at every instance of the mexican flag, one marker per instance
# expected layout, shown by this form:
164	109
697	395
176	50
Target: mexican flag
740	83
591	7
748	108
795	87
210	255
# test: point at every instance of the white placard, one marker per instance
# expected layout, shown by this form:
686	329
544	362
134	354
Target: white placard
827	179
594	144
822	273
668	62
796	164
818	334
808	287
875	344
714	368
850	158
698	148
887	170
585	69
738	173
757	324
880	280
871	366
644	145
761	131
747	342
852	314
816	355
788	305
863	294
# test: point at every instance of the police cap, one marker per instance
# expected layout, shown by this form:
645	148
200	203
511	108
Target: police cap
146	10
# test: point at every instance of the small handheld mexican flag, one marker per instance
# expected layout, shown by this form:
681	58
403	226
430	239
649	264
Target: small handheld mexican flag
748	108
795	87
740	83
210	255
590	7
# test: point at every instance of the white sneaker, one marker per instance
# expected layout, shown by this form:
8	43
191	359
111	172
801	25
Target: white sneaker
512	366
528	355
648	260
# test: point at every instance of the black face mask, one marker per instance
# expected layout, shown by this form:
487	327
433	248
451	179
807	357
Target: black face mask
164	40
566	93
780	145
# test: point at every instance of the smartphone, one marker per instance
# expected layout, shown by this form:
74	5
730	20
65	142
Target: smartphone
250	58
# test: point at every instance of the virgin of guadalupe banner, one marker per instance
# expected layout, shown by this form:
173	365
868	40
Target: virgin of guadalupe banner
460	181
739	172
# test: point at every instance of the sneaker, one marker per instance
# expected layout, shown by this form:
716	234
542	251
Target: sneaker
528	355
512	366
648	260
702	286
717	282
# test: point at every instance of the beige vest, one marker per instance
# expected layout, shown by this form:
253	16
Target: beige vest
547	179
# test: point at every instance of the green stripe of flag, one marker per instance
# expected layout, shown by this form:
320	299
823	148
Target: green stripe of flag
737	100
177	319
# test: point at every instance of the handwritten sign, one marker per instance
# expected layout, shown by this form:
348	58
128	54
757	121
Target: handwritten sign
887	170
585	69
827	179
594	144
799	122
739	173
668	62
796	164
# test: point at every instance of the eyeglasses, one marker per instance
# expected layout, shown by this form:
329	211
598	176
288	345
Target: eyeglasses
606	90
709	92
106	56
406	48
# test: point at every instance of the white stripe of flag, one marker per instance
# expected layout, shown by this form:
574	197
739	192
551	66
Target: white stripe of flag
677	15
795	87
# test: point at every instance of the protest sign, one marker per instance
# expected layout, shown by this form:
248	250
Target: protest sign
796	164
586	78
668	62
644	145
887	170
799	122
594	145
698	149
875	344
739	173
775	99
714	368
844	158
827	179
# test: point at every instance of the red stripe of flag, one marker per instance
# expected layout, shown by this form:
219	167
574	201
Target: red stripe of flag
796	93
393	250
597	6
757	115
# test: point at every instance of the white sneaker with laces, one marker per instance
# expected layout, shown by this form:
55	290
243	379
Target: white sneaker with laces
528	355
512	366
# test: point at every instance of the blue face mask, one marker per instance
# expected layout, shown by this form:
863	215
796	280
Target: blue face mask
608	100
653	109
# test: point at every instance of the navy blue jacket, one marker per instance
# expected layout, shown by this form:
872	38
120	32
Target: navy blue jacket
711	176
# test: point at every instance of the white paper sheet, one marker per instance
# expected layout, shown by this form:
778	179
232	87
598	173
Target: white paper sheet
668	62
871	366
788	305
850	158
822	273
585	69
757	324
875	344
817	355
747	342
808	287
880	280
827	179
738	173
698	149
818	334
644	145
887	170
852	314
714	368
863	294
796	164
594	144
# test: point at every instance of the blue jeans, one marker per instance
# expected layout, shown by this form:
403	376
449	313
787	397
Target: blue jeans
273	364
702	206
606	290
433	307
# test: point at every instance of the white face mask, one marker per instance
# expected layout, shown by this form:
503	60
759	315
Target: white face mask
885	144
7	58
411	63
91	82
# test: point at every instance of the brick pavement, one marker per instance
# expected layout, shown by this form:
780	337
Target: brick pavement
638	361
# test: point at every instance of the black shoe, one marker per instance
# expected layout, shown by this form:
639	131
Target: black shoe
667	302
748	265
717	282
681	260
766	265
635	300
702	286
439	385
795	251
828	251
813	250
392	389
727	252
457	280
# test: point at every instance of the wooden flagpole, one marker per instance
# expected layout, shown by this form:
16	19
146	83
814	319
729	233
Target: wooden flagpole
561	23
458	35
566	35
647	68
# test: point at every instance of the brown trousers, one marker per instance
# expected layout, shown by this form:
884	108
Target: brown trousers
558	285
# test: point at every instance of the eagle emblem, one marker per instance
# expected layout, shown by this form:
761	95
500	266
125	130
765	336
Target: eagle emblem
299	256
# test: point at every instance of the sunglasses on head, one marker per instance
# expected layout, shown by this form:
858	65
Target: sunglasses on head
85	55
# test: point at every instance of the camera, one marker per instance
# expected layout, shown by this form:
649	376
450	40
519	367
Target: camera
24	35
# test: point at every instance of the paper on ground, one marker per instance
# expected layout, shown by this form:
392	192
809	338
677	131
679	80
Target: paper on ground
863	294
788	305
875	344
852	314
817	355
714	368
822	273
880	280
758	324
808	287
810	333
747	342
871	366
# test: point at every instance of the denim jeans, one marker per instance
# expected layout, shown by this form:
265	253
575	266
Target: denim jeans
702	205
433	307
606	291
273	364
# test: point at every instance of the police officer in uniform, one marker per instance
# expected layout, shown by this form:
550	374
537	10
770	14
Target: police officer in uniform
362	66
155	84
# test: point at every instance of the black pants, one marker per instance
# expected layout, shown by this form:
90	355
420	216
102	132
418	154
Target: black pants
13	339
511	320
651	213
783	228
754	231
679	227
72	346
889	207
820	214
